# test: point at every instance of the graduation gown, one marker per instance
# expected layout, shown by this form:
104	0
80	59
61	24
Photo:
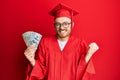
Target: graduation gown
54	64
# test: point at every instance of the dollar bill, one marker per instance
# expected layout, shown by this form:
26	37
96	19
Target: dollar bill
31	38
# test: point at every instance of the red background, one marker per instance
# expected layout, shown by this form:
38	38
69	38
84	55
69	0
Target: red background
99	21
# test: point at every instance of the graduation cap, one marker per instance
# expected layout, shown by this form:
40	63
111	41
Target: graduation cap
62	10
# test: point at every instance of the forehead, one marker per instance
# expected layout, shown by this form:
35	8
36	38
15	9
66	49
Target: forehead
62	19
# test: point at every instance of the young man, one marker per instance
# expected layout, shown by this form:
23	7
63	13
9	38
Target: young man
61	57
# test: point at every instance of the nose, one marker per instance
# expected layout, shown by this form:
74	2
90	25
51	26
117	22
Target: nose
61	27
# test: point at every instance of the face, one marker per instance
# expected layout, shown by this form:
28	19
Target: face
63	27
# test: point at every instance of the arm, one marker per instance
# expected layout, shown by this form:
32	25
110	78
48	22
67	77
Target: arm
85	69
39	68
93	47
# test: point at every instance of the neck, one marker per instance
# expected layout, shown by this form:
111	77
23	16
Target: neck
63	39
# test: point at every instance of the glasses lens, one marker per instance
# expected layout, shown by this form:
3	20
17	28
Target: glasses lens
64	24
57	24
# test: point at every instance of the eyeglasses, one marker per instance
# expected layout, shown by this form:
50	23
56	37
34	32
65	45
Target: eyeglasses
64	24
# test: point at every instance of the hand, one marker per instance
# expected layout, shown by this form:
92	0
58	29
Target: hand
30	54
93	47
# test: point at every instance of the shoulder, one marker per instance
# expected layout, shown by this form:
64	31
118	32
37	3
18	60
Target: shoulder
47	39
50	37
78	40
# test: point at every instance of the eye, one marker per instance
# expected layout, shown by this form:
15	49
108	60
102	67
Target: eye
56	24
66	23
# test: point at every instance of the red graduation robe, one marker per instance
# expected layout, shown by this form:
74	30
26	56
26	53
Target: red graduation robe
54	64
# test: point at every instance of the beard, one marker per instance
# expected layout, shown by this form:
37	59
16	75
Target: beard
63	33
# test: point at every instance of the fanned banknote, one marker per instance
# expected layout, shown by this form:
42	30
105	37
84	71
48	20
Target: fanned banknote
32	38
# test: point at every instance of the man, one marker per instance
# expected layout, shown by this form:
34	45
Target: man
61	57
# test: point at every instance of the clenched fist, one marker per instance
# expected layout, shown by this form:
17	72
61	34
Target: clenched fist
93	47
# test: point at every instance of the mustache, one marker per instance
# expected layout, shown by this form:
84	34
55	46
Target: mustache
62	30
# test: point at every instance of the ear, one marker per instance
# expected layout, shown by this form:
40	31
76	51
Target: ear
72	24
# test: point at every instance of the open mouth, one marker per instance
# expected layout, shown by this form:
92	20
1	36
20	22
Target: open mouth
62	31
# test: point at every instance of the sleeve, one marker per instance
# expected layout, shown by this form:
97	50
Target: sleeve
38	72
84	70
89	71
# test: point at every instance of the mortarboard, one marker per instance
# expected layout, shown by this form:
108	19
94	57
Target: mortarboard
61	10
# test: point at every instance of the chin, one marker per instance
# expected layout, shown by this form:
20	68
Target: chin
63	36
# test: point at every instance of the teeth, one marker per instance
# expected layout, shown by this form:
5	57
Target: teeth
62	31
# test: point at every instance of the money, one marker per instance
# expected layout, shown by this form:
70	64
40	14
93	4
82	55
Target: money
31	38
